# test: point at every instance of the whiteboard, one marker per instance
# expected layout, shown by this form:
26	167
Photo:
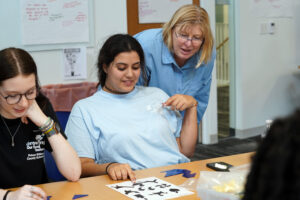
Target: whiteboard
11	35
158	11
54	21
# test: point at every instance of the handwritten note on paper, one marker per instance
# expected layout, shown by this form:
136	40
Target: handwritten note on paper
158	11
54	21
149	188
74	63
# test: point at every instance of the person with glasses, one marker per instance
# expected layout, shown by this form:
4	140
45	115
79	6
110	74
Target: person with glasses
124	127
28	126
180	58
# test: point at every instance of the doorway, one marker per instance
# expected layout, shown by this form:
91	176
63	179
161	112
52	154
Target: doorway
222	67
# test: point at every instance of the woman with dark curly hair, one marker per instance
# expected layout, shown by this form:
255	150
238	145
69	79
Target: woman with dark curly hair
275	170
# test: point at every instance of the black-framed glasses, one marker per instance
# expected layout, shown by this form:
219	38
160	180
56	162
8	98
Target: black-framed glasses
185	38
16	98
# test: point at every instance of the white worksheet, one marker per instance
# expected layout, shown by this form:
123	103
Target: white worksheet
151	188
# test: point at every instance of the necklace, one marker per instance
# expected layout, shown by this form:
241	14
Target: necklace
112	91
12	135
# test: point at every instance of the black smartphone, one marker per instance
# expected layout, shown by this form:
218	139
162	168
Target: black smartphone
219	166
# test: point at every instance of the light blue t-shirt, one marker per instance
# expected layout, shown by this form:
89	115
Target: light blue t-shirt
164	73
132	128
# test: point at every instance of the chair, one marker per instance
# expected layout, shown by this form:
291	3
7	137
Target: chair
69	94
51	168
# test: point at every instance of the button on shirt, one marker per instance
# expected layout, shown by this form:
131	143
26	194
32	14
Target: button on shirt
163	71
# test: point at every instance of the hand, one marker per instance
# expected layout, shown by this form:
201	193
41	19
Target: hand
119	171
181	102
27	192
35	114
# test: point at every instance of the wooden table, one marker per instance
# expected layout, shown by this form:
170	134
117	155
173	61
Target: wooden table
96	189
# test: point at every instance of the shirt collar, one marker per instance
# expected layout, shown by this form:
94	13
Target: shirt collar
167	57
119	96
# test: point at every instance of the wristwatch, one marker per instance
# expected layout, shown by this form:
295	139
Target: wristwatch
54	130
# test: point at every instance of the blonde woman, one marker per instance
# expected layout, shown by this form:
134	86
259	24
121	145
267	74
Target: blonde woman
180	58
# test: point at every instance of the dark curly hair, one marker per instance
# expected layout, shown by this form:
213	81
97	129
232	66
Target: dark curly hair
275	170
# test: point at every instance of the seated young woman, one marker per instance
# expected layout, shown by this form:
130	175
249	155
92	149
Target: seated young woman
124	127
28	126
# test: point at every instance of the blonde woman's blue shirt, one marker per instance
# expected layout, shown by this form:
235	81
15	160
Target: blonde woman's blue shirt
164	73
132	128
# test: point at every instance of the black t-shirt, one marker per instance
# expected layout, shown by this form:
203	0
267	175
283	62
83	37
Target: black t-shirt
23	163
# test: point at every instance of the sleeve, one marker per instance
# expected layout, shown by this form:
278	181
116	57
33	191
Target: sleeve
202	95
174	118
178	123
78	134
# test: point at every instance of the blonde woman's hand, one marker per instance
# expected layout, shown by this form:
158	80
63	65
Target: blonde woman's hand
181	102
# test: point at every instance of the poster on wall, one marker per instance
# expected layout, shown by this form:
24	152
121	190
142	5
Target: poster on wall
158	11
74	63
54	21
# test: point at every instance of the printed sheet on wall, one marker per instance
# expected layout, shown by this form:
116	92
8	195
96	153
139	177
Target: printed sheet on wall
158	11
54	21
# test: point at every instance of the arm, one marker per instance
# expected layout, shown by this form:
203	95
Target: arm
116	171
181	102
189	127
78	130
202	96
189	132
64	155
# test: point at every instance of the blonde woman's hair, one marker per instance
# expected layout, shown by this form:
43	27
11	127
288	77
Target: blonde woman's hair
190	15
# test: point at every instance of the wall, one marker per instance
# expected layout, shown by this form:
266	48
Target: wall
109	18
210	120
266	78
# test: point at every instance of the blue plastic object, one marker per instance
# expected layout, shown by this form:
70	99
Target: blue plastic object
78	196
185	173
